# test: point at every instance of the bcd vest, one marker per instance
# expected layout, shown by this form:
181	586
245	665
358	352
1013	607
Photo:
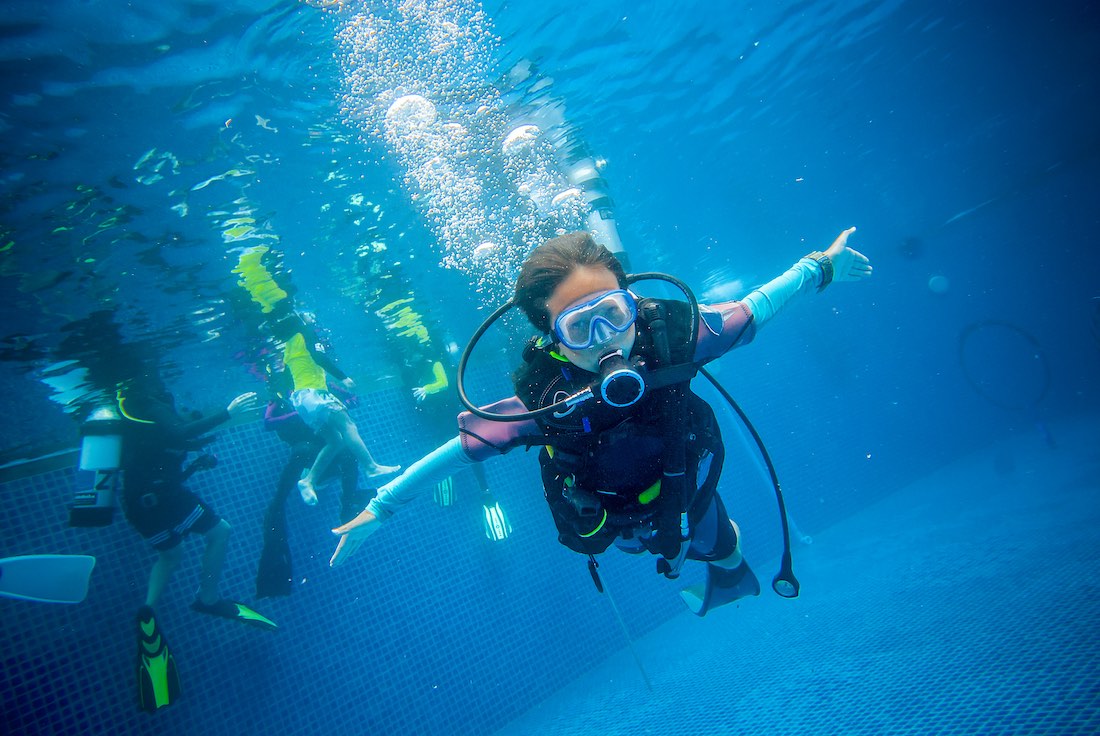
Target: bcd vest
600	458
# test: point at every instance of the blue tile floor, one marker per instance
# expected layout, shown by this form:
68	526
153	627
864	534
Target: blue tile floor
968	603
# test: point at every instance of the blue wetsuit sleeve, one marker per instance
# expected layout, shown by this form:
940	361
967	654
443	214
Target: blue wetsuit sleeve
440	463
766	301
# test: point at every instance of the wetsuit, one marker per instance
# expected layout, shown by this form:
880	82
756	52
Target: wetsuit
155	444
723	327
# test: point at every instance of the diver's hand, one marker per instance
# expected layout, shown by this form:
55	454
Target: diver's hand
348	384
420	393
848	264
353	534
243	404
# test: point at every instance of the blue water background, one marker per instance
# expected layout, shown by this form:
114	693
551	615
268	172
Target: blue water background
961	140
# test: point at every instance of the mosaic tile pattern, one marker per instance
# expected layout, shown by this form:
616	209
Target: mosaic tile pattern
431	629
966	604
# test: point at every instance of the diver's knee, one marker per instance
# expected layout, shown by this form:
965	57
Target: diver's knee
341	422
220	531
171	557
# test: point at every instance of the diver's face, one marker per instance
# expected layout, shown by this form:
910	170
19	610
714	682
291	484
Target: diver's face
582	285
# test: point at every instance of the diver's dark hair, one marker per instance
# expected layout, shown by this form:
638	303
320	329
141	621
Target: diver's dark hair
551	263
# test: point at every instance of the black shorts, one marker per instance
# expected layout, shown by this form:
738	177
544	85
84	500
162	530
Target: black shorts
166	514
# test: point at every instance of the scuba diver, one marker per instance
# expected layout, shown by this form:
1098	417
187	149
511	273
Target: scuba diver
630	455
155	443
136	444
426	362
274	576
309	365
268	312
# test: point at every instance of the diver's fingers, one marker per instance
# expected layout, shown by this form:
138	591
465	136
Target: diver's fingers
850	265
365	517
335	559
241	400
348	545
861	265
858	258
345	549
842	239
354	533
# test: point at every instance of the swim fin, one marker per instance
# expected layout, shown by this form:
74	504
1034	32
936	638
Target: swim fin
158	681
46	578
234	611
274	576
496	523
444	493
722	586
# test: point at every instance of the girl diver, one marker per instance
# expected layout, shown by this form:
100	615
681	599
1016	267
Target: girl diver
631	455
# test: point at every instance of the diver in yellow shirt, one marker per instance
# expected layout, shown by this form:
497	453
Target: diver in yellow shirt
305	358
422	364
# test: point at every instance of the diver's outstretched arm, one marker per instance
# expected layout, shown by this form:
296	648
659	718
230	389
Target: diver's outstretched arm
729	325
414	482
845	264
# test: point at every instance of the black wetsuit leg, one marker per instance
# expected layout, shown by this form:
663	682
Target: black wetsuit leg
275	573
713	537
353	499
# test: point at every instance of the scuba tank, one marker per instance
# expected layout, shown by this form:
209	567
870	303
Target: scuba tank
101	454
583	172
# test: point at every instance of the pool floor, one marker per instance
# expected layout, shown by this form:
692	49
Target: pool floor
967	603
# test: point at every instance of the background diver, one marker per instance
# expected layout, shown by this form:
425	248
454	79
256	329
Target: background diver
426	359
630	466
137	443
156	441
274	576
305	358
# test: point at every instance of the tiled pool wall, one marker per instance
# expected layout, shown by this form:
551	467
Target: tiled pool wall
430	629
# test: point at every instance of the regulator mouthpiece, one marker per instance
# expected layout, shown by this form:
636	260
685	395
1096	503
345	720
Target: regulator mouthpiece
620	383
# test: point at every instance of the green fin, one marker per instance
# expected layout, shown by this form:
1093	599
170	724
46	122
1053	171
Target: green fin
158	680
235	611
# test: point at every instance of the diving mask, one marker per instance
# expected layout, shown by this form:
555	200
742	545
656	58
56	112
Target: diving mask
596	321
